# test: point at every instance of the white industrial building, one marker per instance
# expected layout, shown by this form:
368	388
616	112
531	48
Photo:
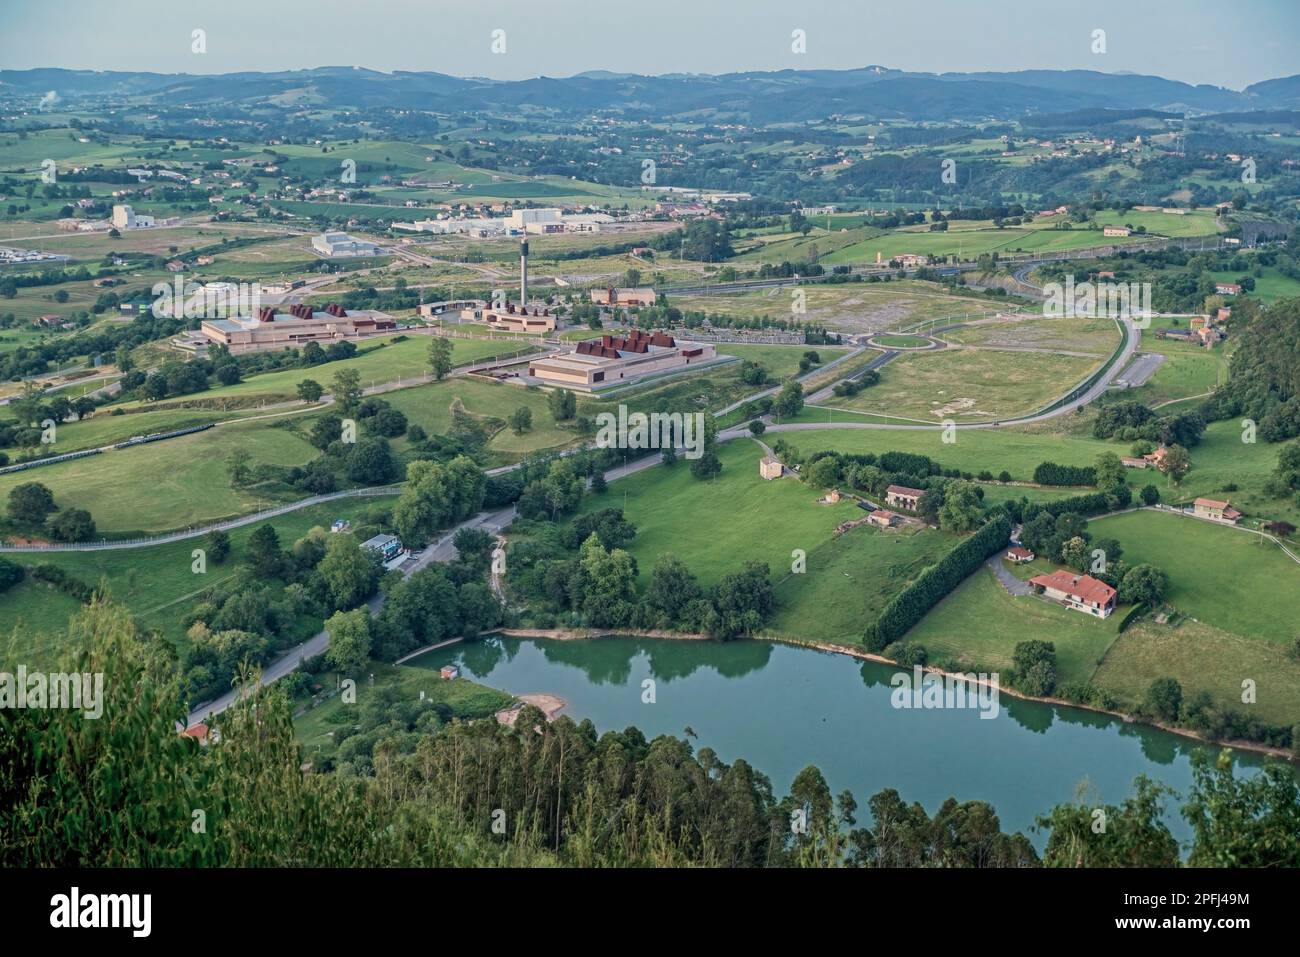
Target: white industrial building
124	217
342	246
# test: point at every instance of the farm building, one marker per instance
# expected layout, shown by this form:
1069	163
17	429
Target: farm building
1215	510
770	468
1116	231
1080	592
900	496
883	518
1227	288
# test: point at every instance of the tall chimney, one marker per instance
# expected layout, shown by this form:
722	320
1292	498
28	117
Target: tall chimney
523	272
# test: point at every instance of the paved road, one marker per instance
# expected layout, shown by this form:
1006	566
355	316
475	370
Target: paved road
1009	581
441	550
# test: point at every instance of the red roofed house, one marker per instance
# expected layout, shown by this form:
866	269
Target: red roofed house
1227	288
900	496
882	518
1215	510
1080	592
1019	554
199	732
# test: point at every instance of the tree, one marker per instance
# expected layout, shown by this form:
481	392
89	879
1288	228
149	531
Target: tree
440	357
1164	699
521	420
789	401
824	473
1242	822
707	466
672	587
73	525
1150	495
218	545
309	390
757	427
371	462
562	403
346	389
1176	463
349	633
608	583
1109	471
1143	584
1034	662
263	552
962	509
348	571
30	503
1134	835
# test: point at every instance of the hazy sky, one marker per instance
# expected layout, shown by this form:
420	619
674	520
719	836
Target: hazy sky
1223	42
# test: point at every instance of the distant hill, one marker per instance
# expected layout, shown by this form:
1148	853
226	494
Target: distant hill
759	97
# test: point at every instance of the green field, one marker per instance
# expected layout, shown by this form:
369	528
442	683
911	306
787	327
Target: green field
1219	460
715	526
156	582
977	627
849	580
897	341
1203	658
1227	578
167	485
964	384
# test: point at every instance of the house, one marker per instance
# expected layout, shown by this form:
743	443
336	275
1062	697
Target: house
1156	458
900	496
770	467
1106	274
1135	461
1080	592
198	732
1215	510
1228	288
1116	231
1018	555
48	320
830	498
175	265
340	525
450	672
883	518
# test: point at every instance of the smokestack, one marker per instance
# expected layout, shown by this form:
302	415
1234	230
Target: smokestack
523	272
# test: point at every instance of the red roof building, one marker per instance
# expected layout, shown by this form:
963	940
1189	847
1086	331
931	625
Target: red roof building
1080	592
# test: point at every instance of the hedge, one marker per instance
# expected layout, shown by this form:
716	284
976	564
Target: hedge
1094	503
1049	473
911	604
1133	614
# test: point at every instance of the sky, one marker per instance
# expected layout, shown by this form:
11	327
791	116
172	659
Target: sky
1230	43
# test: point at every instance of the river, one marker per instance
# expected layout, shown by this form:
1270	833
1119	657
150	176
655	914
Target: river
784	707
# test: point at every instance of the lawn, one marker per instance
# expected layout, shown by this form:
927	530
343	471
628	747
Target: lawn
896	341
157	582
715	526
380	361
965	384
166	485
849	579
1228	578
1203	658
429	406
977	627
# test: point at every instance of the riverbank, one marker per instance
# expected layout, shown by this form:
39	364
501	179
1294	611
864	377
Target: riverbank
584	634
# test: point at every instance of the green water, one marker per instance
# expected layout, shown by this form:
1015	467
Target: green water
783	708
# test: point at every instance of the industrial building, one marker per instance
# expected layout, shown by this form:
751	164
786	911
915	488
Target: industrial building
643	296
596	363
342	246
296	327
124	217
